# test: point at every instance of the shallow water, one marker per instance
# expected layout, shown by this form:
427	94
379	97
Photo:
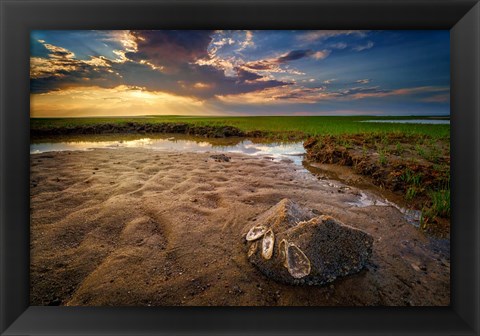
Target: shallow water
290	151
411	121
343	179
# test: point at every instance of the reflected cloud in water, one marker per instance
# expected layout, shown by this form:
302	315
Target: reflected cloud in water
293	151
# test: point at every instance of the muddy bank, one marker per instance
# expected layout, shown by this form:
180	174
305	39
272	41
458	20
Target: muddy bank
144	128
417	168
139	227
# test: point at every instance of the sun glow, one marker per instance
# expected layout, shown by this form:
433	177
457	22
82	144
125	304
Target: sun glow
119	101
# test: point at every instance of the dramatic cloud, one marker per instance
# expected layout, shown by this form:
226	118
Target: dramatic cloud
62	70
227	65
278	95
273	65
170	49
159	60
206	70
247	75
284	94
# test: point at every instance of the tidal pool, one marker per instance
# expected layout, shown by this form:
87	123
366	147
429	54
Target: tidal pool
293	151
411	121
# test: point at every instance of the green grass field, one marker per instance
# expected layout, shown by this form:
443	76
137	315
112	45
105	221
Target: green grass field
276	127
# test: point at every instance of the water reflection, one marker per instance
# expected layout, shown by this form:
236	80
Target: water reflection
411	121
292	151
367	195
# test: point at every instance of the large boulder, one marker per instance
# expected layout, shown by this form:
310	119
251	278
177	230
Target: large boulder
290	245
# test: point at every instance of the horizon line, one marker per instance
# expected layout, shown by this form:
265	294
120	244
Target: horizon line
239	116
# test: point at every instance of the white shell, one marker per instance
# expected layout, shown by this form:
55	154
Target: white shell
252	249
282	248
267	244
256	232
298	264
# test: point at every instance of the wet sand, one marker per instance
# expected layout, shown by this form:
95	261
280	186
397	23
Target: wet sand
142	227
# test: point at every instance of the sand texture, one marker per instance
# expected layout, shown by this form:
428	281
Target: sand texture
141	227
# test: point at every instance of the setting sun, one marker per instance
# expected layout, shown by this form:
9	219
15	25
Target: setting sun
118	101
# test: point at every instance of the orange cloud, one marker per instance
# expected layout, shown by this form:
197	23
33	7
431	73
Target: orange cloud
288	94
62	61
200	85
280	95
119	101
399	92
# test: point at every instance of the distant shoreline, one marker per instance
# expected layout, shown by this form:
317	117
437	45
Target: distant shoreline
131	127
278	128
146	116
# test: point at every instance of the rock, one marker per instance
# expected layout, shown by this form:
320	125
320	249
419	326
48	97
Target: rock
284	215
307	249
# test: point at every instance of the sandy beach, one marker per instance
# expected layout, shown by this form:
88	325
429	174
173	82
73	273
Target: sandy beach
139	227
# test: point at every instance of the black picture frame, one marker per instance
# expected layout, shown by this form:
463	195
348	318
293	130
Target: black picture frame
19	17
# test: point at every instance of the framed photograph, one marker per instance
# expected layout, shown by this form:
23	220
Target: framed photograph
216	167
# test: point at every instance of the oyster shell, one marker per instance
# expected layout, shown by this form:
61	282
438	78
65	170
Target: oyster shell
256	232
298	264
267	244
282	248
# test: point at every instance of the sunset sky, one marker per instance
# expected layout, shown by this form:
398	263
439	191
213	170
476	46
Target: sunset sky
270	72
